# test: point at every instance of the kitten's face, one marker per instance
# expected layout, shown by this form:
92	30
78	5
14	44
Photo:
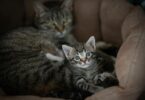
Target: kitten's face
81	57
57	21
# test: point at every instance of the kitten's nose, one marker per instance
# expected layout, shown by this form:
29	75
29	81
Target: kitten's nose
60	29
60	35
83	60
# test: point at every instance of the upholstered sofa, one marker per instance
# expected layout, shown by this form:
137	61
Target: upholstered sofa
114	21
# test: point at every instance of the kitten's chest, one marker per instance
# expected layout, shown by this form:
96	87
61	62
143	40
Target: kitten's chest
91	73
87	73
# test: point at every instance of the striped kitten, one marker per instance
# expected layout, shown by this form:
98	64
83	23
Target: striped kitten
58	20
91	70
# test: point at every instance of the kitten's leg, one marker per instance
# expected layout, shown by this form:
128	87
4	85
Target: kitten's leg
105	79
82	84
103	76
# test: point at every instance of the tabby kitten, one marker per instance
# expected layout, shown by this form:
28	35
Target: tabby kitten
57	20
91	70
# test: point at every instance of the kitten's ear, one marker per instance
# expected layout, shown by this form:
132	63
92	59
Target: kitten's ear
67	5
39	8
68	51
91	44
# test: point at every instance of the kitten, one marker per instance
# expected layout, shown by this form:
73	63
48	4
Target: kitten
57	20
91	70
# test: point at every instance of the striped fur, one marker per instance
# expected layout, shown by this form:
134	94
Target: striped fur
25	63
92	70
58	20
27	68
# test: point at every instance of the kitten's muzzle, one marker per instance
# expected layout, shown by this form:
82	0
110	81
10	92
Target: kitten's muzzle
83	60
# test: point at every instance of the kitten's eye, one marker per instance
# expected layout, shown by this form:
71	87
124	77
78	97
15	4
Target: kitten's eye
77	58
89	54
55	26
64	24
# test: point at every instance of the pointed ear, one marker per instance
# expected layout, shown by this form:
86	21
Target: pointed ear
39	8
91	44
68	51
67	5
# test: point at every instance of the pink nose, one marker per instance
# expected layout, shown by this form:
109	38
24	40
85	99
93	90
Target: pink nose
83	60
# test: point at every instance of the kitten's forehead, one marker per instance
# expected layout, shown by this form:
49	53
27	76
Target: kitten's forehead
80	51
81	48
82	54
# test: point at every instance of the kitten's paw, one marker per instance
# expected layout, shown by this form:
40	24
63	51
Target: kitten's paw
99	78
54	57
96	78
102	77
81	84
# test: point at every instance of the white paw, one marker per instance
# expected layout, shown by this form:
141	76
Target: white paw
53	57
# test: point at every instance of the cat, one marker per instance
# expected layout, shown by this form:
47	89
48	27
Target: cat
25	57
30	60
32	63
30	51
58	20
91	69
26	68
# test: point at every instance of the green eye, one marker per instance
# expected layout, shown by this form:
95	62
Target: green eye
54	24
89	54
77	58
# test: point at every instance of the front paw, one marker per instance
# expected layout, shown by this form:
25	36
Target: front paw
81	84
97	79
103	77
109	81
